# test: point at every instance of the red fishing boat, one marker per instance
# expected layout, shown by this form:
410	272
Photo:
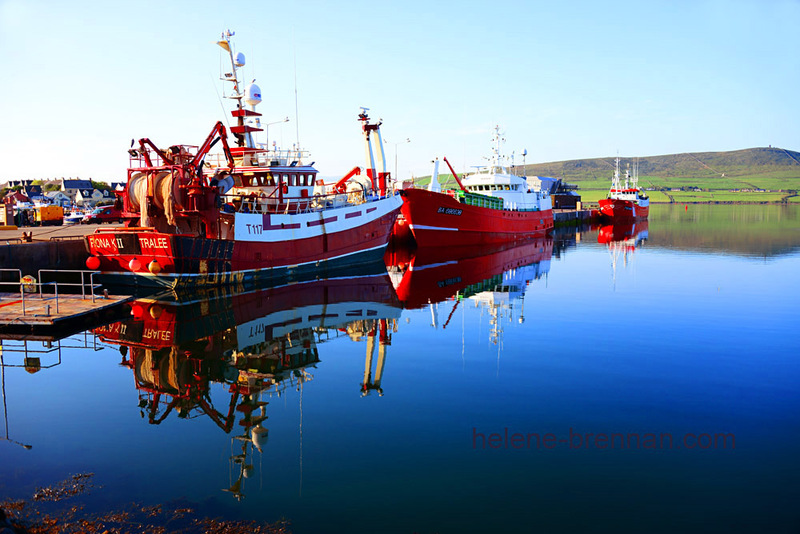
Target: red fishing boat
253	213
491	206
625	201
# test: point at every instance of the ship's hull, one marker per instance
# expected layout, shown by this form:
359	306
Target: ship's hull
265	249
437	219
623	210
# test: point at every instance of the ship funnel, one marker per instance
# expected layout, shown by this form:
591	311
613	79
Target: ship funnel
434	185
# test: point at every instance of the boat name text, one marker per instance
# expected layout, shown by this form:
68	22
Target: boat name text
154	242
449	211
159	335
449	281
102	242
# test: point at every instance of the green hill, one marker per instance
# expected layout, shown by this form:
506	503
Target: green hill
718	174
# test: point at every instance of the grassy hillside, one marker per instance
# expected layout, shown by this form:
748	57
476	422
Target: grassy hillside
717	174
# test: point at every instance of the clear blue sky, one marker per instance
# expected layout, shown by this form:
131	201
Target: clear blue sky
564	80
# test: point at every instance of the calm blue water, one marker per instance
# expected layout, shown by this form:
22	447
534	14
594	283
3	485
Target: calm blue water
654	348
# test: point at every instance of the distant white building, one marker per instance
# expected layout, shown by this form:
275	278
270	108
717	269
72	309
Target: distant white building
19	183
58	198
72	187
90	197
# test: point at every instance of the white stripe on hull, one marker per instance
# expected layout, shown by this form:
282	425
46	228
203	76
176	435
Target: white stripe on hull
424	227
291	227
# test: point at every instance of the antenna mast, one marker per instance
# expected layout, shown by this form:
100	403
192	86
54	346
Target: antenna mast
252	95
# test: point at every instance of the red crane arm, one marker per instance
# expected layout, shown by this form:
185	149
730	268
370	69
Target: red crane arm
455	175
353	172
218	133
146	154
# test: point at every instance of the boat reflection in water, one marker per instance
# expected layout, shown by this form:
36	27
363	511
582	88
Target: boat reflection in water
623	235
251	345
492	277
621	239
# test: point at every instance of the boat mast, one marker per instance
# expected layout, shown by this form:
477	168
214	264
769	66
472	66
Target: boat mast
496	148
372	172
242	131
364	118
615	181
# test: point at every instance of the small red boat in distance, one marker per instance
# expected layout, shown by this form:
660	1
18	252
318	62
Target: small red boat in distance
625	201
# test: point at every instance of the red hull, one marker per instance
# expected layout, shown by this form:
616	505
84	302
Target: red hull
401	232
437	219
195	260
622	210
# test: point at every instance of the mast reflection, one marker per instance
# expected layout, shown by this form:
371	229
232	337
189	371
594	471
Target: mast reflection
255	344
381	330
622	239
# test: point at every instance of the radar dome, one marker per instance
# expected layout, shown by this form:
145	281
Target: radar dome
239	60
252	95
259	436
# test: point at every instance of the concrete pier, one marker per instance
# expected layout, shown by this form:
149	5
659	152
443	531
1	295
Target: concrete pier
47	309
44	247
571	217
33	316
